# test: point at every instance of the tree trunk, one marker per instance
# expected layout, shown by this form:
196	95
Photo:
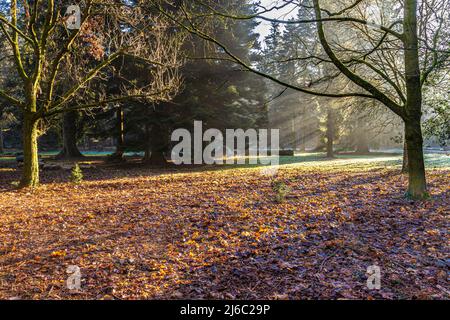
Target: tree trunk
362	147
30	173
120	135
330	133
148	147
70	149
362	141
293	138
413	130
157	158
1	140
303	130
405	164
416	166
156	144
302	144
302	133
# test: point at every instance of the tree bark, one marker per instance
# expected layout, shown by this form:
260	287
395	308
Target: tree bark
157	158
405	163
70	149
413	131
1	140
30	173
156	144
416	165
148	147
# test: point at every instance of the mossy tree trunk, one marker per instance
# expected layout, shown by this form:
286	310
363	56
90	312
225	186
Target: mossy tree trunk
417	188
30	173
30	134
413	130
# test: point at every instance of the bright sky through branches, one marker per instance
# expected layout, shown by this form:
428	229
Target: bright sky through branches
285	13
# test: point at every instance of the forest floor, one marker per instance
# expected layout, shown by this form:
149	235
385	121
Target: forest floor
142	233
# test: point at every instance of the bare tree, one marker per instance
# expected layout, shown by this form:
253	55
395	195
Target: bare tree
60	69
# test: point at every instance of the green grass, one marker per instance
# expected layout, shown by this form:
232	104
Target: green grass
6	159
11	156
433	161
318	161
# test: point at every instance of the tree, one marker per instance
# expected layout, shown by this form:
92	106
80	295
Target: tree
395	33
215	91
41	43
69	134
289	110
364	123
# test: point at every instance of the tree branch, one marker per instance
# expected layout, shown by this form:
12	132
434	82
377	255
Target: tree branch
193	30
377	94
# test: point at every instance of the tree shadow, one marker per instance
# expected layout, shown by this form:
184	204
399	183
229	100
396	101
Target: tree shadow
310	257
